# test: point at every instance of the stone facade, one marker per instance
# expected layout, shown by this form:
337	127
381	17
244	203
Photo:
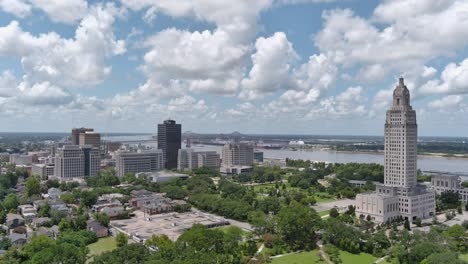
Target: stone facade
400	195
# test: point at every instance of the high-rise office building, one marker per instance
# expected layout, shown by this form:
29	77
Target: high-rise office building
92	160
90	138
189	159
400	195
170	141
76	134
135	162
73	161
237	154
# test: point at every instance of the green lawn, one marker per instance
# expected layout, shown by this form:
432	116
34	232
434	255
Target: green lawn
322	213
310	257
321	197
362	258
264	187
102	245
464	257
225	228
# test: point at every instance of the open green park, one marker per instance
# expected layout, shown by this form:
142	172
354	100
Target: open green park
102	245
313	257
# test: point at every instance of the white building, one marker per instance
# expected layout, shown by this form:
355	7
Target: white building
400	195
19	159
43	170
442	182
72	161
141	161
189	159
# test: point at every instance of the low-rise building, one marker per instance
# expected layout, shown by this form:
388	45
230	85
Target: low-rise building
141	161
444	181
96	227
235	169
18	240
20	159
162	176
43	170
189	159
14	220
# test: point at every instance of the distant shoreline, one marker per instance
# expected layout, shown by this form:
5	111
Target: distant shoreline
426	155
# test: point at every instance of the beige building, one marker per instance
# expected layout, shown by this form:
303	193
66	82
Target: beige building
400	195
237	154
43	170
76	134
189	159
90	138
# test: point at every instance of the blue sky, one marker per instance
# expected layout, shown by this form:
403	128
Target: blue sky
255	66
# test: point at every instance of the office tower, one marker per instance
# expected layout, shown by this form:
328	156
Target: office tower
92	160
69	162
76	134
170	141
90	138
73	161
237	154
400	195
135	162
189	159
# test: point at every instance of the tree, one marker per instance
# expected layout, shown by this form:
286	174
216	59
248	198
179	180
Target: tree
131	254
121	240
102	218
445	257
88	199
368	218
297	225
448	200
407	224
33	187
334	213
67	198
333	253
11	202
418	222
44	210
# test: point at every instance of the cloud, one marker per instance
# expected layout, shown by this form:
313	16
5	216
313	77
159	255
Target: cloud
453	80
349	103
74	62
271	69
18	8
407	37
43	93
63	11
203	62
447	102
236	18
8	84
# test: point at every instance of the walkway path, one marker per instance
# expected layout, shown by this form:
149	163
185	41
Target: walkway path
322	253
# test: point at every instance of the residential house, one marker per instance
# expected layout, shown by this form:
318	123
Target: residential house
96	227
14	220
18	240
41	221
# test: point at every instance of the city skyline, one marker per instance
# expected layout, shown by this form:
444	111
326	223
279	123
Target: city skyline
324	67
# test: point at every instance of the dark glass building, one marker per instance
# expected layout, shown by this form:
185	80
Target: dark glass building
169	140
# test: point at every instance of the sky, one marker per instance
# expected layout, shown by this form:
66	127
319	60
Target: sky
217	66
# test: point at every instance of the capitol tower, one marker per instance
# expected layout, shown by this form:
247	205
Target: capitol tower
400	195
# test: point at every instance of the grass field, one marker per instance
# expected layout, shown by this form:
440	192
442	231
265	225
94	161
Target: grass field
321	197
225	228
464	257
362	258
310	257
322	213
102	245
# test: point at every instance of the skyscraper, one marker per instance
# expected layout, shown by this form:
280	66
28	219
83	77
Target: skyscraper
76	134
90	138
400	195
76	161
170	141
